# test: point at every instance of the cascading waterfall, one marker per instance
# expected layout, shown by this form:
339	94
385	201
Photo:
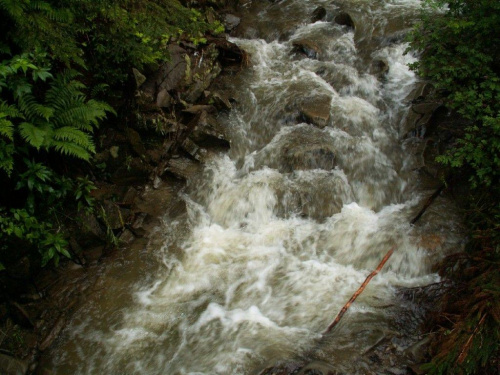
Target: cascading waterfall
286	226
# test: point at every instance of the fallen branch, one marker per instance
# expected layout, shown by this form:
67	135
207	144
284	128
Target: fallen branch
466	347
360	290
428	203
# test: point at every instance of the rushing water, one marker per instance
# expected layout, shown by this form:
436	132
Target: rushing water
283	229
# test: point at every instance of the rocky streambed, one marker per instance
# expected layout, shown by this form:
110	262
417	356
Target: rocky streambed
250	194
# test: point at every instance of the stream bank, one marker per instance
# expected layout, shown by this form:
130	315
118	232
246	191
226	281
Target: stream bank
142	163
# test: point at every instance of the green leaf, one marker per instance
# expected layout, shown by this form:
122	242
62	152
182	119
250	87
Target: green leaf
33	135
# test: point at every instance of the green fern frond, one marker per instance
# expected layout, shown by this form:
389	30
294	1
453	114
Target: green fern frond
58	15
14	8
71	149
6	129
45	112
102	107
28	104
6	156
73	135
33	135
7	110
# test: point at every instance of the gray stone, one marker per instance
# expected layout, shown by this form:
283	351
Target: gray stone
194	150
170	75
231	21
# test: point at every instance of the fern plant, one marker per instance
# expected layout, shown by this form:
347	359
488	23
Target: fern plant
60	120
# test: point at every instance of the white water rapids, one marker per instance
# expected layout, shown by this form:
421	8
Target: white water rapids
285	227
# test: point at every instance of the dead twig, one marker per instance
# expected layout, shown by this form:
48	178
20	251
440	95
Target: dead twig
428	203
466	347
360	290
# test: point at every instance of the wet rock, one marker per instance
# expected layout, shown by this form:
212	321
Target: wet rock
53	334
379	67
195	109
221	102
171	74
93	254
229	54
12	366
194	150
203	69
183	168
318	14
207	129
144	99
316	111
306	47
231	21
127	237
418	121
139	77
130	196
135	141
345	19
163	99
303	148
90	232
131	172
114	216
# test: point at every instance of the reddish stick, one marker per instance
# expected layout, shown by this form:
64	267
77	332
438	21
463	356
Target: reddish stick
360	290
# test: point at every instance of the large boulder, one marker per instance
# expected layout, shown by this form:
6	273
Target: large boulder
203	69
183	168
303	147
208	131
316	111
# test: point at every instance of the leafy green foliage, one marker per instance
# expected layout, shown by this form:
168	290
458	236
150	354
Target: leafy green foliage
459	43
50	51
20	224
460	54
59	119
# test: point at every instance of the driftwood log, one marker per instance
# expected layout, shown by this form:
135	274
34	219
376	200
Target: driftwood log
359	291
